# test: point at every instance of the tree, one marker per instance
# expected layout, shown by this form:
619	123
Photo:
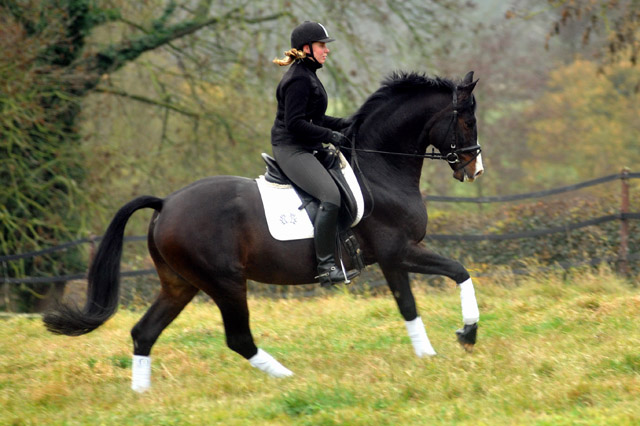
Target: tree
46	70
585	124
510	58
613	26
512	65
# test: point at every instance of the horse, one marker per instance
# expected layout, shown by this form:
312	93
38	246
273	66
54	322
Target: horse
212	235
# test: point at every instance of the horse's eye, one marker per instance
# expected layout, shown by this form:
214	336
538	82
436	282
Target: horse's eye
469	124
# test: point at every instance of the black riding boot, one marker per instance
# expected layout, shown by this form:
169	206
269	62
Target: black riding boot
325	237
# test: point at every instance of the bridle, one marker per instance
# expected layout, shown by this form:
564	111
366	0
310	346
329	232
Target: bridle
452	157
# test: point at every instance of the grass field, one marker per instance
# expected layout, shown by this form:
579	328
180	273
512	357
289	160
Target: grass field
552	350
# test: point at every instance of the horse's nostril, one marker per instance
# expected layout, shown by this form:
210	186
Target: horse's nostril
479	172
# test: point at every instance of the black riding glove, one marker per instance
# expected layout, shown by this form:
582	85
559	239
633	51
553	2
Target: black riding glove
338	139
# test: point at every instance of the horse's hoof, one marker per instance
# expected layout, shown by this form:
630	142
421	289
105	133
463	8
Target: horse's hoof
468	347
467	336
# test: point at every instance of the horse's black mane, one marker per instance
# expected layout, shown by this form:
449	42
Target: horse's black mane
396	82
403	79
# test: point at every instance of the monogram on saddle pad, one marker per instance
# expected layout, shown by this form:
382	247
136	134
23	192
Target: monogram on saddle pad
291	212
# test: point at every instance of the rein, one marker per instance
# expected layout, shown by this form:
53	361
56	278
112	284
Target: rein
428	155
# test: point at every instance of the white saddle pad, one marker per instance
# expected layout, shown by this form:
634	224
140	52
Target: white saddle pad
282	206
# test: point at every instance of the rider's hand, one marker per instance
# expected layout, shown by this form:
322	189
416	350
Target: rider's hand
338	139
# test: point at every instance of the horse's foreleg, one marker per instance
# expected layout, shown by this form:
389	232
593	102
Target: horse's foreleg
398	282
420	260
470	315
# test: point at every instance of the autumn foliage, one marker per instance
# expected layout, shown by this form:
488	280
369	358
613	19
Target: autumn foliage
585	124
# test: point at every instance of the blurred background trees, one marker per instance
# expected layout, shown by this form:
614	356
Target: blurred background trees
104	100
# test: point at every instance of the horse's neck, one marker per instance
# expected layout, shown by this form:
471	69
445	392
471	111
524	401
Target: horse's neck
397	127
389	170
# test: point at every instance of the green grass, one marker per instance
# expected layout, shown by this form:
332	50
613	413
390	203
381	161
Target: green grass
552	350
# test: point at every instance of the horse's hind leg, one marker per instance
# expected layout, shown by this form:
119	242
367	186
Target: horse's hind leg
231	297
175	294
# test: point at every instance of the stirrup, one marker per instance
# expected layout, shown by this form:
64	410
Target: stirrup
327	280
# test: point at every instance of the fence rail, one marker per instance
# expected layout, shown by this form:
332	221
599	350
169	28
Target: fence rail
538	194
536	233
624	216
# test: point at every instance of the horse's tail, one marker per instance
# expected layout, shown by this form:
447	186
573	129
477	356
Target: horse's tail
104	278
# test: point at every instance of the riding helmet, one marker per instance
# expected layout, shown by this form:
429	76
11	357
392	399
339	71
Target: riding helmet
307	33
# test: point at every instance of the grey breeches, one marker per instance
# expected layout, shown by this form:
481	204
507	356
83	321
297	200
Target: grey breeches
304	169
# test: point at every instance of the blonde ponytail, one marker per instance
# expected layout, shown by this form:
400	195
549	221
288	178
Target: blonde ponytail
290	56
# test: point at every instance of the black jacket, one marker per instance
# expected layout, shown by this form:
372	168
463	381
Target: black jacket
302	103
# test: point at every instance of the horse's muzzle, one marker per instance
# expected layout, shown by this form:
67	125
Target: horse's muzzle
470	172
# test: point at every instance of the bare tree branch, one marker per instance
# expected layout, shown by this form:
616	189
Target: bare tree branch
149	101
117	55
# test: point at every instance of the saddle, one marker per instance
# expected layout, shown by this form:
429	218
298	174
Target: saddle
331	162
348	214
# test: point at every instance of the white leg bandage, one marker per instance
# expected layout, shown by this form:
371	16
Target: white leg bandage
419	339
141	373
470	313
265	362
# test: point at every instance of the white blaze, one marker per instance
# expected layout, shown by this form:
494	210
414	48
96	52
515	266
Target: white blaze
479	166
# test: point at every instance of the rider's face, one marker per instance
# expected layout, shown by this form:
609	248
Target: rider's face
320	51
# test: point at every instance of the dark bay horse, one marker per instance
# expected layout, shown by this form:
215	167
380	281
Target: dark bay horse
212	235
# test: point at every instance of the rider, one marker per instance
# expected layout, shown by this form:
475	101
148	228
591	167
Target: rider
300	128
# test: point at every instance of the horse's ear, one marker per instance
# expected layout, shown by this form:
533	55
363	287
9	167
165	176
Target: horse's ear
467	78
467	83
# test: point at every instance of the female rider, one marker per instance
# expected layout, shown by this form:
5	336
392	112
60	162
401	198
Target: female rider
300	128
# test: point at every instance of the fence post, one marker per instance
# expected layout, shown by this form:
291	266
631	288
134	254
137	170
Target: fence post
623	261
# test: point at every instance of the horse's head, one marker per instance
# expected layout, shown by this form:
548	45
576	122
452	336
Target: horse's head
455	132
392	123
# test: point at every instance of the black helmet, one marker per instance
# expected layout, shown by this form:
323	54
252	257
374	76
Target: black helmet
307	33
